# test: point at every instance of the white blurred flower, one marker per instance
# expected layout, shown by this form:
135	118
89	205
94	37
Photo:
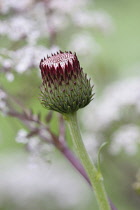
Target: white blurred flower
83	18
25	58
3	105
7	5
3	95
93	19
22	136
19	27
120	103
24	187
126	138
58	23
30	56
9	76
3	28
38	149
7	63
103	22
92	144
84	44
111	106
33	142
67	7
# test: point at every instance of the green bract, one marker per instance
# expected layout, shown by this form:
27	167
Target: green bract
65	87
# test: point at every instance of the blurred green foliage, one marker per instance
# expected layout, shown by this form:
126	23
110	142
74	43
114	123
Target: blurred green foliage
119	55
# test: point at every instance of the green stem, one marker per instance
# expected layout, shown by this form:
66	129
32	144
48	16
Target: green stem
94	175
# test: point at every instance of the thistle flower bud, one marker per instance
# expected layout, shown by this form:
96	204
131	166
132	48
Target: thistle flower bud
65	87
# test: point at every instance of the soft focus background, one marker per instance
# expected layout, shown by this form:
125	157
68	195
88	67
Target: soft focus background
106	37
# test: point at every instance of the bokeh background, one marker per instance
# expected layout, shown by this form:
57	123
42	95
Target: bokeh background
106	37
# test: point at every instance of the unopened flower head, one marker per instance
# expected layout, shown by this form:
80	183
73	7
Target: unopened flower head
65	87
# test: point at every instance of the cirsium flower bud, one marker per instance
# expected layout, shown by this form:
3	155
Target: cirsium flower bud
65	87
